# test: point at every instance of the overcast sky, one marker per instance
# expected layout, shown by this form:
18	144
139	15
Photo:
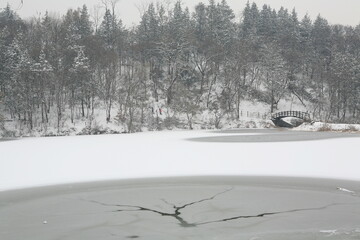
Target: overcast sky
345	12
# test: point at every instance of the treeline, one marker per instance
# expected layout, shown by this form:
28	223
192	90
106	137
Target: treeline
204	60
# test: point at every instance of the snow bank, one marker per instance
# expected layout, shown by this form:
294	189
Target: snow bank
321	126
47	161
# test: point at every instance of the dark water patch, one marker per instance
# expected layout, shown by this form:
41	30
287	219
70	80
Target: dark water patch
8	139
253	130
269	136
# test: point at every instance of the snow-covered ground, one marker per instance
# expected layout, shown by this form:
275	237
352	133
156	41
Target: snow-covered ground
46	161
252	115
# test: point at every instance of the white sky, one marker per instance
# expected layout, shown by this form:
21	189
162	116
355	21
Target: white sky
345	12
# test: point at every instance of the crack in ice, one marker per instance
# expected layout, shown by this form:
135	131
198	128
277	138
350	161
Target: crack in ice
261	215
175	215
182	222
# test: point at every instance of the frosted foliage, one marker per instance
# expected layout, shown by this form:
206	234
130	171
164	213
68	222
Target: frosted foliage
187	68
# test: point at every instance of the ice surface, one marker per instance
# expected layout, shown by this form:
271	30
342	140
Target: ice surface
47	161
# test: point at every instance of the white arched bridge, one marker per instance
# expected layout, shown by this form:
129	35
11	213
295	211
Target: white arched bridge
277	118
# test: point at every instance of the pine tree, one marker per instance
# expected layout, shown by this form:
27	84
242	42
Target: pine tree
251	18
43	75
85	25
109	68
20	96
321	35
275	76
267	23
82	79
108	30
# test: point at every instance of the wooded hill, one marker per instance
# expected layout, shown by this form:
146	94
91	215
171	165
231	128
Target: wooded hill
190	61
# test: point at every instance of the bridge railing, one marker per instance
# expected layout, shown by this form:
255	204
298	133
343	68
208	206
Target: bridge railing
298	114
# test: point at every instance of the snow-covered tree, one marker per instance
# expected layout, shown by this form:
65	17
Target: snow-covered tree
82	81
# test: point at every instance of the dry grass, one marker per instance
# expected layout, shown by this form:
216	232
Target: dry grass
328	128
351	128
325	128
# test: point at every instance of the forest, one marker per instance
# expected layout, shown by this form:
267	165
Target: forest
55	69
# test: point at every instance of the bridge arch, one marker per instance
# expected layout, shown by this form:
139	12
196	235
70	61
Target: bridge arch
277	118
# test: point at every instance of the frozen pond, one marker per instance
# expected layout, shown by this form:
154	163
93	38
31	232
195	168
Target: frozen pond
185	208
193	208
